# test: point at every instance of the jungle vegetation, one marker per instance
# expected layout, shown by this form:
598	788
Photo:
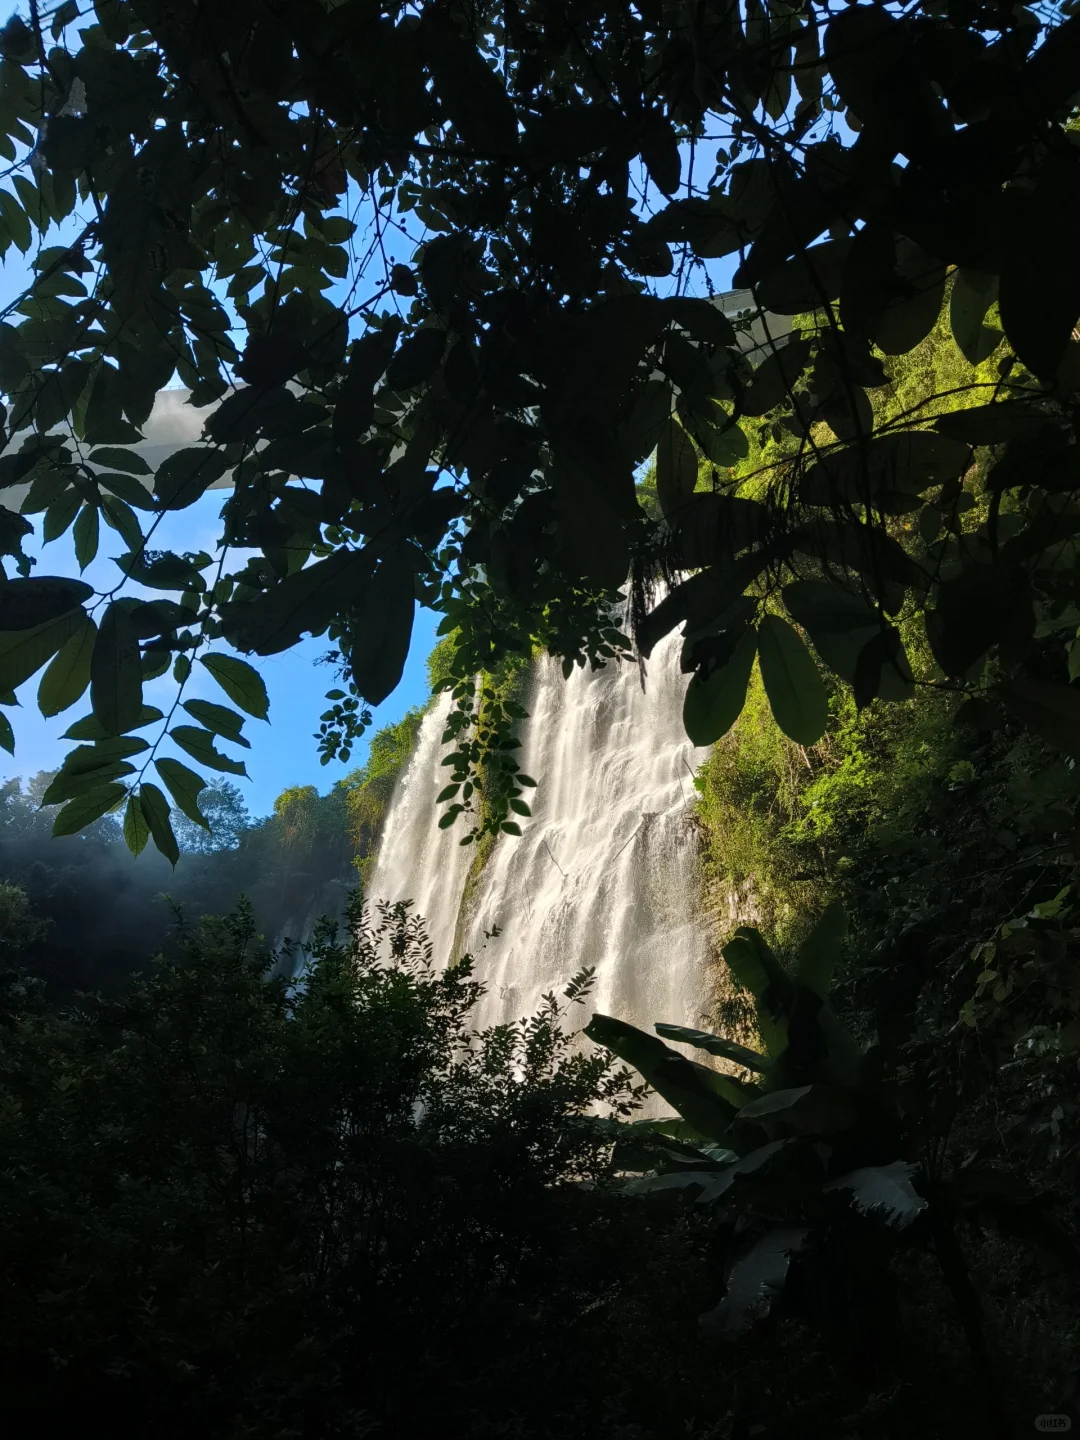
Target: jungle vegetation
440	277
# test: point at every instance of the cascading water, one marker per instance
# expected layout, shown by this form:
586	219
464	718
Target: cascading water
417	861
605	873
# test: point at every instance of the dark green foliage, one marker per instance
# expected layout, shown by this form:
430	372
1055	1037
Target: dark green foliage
459	424
824	1182
272	1210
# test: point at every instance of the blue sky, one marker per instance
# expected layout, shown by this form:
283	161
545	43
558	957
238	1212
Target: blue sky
283	752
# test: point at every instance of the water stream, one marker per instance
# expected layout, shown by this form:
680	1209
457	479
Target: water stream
605	873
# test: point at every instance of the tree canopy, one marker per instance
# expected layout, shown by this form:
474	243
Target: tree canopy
439	276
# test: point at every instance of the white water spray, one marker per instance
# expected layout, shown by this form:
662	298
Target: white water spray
605	873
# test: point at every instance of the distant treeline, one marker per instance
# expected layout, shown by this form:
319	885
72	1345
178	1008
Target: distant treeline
82	914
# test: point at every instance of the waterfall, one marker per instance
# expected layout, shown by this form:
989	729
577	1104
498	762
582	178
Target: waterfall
605	873
417	861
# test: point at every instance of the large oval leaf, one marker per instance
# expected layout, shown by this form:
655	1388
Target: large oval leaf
68	674
22	652
715	1045
796	691
676	468
804	1110
1051	711
714	704
27	604
155	810
83	811
185	787
241	682
186	475
709	1101
806	282
884	1191
116	672
756	1281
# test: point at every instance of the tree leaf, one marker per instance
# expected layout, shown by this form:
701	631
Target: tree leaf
660	152
973	292
15	221
184	786
820	951
68	674
136	830
756	968
472	92
126	488
775	377
715	1045
919	289
997	423
306	600
883	1191
702	318
676	468
89	728
817	605
22	652
975	609
756	1282
221	720
85	535
1051	711
7	735
1040	287
121	518
684	1182
116	673
381	634
199	744
911	462
186	475
712	705
79	813
416	360
74	784
114	458
243	684
26	604
797	694
59	516
706	1099
803	1110
806	282
155	809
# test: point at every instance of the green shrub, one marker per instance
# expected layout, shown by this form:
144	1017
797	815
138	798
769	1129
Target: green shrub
229	1207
